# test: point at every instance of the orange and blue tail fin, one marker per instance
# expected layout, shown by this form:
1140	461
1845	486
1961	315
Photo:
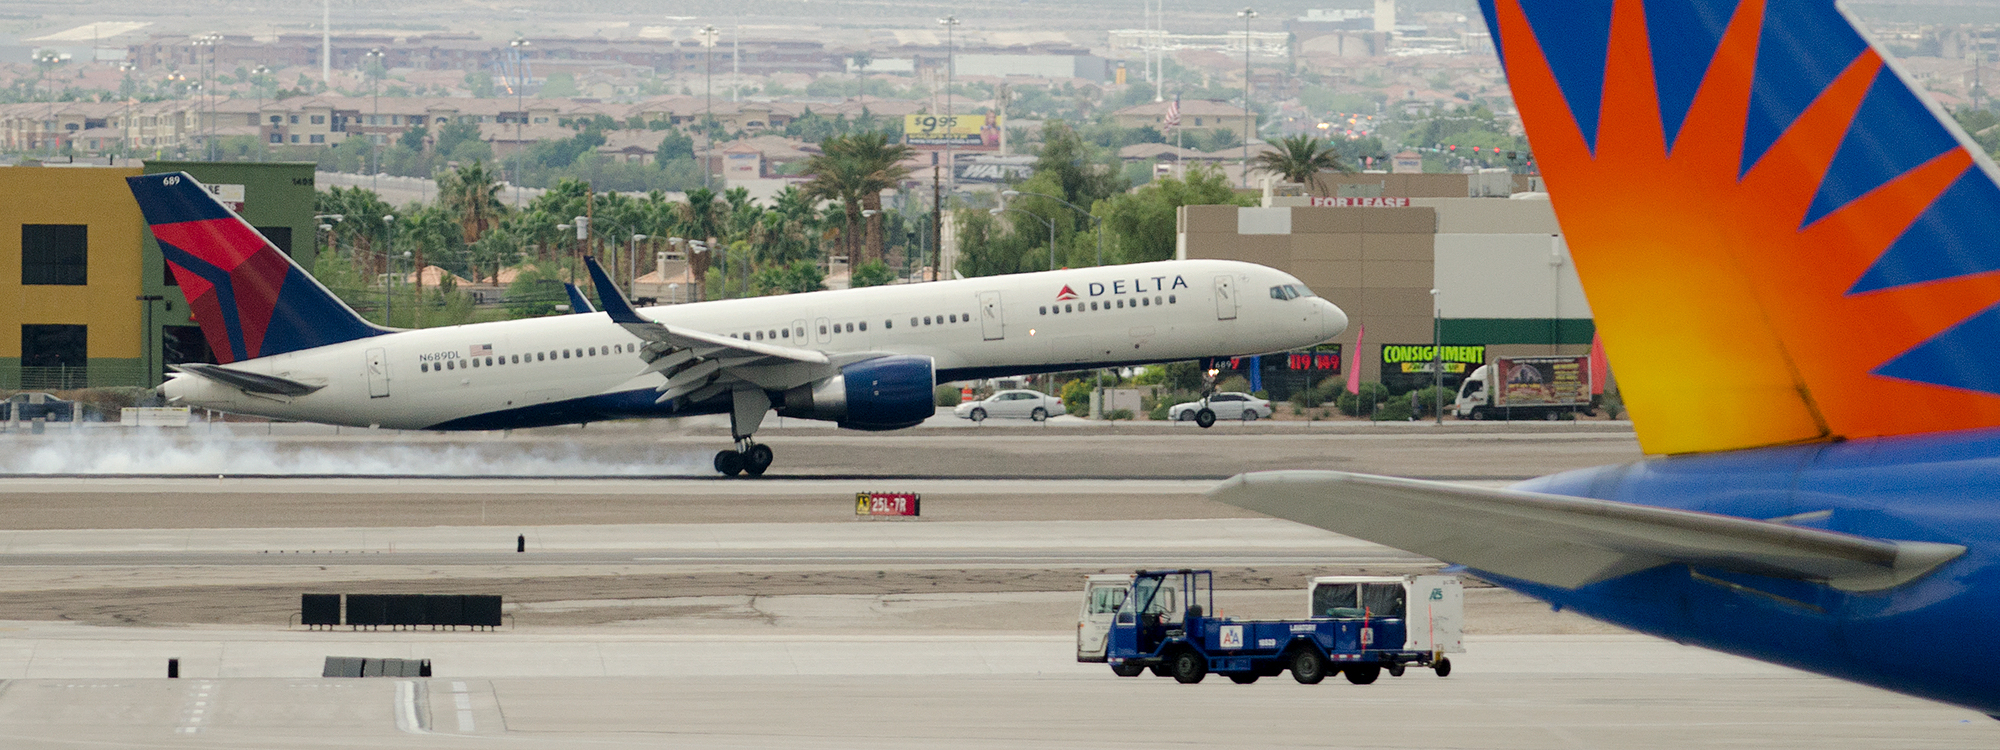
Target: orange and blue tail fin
250	299
1781	239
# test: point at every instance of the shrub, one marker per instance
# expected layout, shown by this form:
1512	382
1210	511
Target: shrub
1117	414
1076	396
1234	384
1307	398
948	395
1393	410
1426	400
1364	403
1611	405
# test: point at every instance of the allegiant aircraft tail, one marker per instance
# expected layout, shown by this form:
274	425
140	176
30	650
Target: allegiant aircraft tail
1824	240
250	299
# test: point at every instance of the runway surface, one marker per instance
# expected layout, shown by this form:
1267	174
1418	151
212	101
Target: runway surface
656	605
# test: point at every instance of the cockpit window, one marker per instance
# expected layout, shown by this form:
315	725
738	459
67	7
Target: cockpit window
1289	291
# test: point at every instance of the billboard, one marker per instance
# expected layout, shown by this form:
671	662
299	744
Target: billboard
1407	367
958	132
1541	381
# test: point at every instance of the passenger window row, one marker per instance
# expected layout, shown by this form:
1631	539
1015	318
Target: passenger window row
774	334
517	359
1121	303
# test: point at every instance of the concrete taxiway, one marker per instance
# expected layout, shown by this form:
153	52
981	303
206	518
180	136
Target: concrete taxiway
691	611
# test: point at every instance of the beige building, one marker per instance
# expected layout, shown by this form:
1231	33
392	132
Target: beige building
1500	268
1196	114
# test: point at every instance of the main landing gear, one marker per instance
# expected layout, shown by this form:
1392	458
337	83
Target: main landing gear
745	414
748	458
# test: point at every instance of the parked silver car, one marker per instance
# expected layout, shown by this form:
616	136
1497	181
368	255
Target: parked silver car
1227	405
1021	404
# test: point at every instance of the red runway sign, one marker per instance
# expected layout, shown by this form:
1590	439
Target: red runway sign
886	503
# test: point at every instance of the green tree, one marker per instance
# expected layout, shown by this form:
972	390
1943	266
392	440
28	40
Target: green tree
791	278
559	86
872	273
1140	226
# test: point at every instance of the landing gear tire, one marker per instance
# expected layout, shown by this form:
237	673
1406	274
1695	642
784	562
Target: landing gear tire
757	460
1188	667
729	463
1244	678
1308	667
978	415
1040	415
1442	667
1362	674
1205	418
1127	670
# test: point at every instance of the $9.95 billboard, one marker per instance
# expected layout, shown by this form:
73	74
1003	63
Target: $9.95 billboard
961	132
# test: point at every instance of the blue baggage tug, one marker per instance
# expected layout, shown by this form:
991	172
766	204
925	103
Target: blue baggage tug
1359	626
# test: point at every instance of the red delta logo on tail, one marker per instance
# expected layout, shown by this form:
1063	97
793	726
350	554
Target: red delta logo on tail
1066	294
250	299
1817	228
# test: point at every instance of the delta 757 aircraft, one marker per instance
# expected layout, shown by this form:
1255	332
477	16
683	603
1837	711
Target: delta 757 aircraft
1794	260
864	358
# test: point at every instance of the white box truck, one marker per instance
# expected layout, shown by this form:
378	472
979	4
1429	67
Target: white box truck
1526	388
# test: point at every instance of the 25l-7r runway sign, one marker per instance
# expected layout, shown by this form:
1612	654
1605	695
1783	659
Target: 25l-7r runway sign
886	503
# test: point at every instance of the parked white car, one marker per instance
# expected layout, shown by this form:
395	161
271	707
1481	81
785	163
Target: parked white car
1022	404
1227	405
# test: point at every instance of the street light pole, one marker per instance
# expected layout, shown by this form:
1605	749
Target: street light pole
1246	14
950	23
1437	359
375	89
708	92
1038	217
521	115
389	281
1094	219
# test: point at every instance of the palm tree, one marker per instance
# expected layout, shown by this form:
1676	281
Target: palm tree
472	195
1300	157
854	169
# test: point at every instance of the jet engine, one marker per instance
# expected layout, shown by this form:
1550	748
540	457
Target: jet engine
885	393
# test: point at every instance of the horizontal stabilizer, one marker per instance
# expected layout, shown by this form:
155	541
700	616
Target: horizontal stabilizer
1569	542
250	382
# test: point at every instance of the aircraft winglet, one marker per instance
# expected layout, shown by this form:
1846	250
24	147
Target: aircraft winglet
577	302
607	292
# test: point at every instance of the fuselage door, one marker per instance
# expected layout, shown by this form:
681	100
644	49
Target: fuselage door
798	337
378	373
991	319
1225	298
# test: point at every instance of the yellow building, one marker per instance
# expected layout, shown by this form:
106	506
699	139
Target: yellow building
70	258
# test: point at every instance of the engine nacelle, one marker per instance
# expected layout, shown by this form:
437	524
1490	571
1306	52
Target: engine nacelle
885	393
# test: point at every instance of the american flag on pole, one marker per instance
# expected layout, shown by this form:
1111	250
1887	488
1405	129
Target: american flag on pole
1174	112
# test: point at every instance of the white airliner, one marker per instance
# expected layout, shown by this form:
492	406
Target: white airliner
864	358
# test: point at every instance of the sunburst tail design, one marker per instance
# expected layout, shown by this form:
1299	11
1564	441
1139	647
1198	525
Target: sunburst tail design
1781	241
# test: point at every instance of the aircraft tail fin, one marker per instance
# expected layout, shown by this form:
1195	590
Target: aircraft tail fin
250	299
578	303
1819	232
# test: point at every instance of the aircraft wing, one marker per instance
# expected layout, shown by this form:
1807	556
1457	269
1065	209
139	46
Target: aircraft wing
1570	542
699	363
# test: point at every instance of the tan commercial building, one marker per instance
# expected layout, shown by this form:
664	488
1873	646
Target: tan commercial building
1502	273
